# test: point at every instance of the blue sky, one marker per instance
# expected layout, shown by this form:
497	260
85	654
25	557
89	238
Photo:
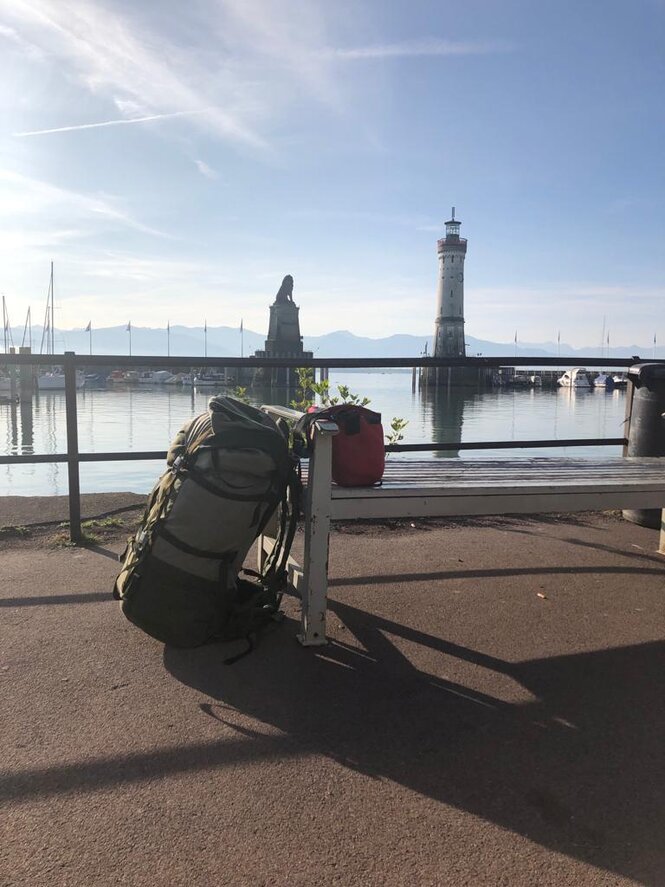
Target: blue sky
247	139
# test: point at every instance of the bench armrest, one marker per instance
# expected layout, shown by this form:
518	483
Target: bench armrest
282	412
320	426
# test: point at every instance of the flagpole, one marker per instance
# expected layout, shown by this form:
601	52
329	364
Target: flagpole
90	337
654	346
129	330
205	337
515	343
242	339
168	338
52	314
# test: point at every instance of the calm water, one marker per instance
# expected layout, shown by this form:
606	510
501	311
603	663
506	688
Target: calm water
148	417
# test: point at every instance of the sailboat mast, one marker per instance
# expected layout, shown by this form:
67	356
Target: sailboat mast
5	323
52	314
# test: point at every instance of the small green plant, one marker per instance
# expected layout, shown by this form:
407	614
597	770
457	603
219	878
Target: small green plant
62	540
240	393
18	532
397	426
102	523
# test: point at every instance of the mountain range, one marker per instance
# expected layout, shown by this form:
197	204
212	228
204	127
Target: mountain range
223	341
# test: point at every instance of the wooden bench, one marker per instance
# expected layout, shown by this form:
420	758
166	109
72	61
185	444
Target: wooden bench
452	488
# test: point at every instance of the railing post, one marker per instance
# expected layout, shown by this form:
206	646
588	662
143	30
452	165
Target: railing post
72	447
628	414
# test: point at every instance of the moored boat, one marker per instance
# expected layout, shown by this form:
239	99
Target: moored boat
209	379
574	378
603	381
55	381
154	377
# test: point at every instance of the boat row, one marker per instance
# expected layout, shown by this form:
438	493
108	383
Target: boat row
578	377
55	381
164	377
51	381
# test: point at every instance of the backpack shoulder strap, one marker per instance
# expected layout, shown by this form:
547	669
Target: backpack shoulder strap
275	567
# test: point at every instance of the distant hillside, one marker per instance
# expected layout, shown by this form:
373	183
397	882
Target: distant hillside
225	341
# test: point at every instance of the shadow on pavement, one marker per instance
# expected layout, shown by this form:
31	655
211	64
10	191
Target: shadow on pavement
578	771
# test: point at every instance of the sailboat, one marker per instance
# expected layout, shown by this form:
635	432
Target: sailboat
54	380
5	381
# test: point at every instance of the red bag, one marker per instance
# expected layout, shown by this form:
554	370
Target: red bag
358	454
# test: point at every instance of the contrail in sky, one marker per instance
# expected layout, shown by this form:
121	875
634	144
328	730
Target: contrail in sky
120	122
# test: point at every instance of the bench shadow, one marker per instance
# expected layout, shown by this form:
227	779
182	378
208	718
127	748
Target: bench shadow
577	771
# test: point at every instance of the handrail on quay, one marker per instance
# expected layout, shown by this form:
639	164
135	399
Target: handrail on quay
70	361
151	360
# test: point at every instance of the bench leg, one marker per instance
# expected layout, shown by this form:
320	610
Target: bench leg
317	530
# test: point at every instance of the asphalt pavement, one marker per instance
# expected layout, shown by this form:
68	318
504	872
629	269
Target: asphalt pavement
489	711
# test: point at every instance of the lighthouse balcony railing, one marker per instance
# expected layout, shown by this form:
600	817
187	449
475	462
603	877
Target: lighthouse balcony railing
72	362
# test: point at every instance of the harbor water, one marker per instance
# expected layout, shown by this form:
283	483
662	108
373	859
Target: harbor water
143	417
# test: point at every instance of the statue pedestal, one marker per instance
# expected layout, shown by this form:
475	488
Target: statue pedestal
284	340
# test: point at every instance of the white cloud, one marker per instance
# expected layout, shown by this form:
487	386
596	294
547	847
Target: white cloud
130	107
205	170
110	57
29	203
121	122
414	48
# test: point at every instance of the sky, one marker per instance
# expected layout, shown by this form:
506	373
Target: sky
176	160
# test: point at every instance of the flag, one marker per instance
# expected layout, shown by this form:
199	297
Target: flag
129	327
168	325
516	337
654	338
241	324
89	326
558	338
205	326
608	337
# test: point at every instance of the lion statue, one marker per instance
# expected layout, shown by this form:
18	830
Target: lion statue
285	292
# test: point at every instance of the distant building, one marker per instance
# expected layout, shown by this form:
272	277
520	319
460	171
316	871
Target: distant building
449	324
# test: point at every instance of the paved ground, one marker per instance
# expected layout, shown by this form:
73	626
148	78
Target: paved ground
489	712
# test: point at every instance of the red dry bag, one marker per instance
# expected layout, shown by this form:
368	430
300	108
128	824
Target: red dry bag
358	454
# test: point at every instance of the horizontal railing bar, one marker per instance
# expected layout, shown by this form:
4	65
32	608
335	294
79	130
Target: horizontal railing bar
120	360
507	444
137	456
124	456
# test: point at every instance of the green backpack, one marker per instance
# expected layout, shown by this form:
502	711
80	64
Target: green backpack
229	471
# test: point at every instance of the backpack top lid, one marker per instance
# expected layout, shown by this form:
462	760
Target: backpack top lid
223	409
238	424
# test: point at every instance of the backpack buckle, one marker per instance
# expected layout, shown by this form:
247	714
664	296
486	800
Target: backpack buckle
178	463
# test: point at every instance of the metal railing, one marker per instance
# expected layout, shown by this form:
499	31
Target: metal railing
70	361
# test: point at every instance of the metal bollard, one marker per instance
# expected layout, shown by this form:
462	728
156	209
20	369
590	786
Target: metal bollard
646	435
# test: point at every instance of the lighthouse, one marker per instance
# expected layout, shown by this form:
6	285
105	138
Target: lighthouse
449	324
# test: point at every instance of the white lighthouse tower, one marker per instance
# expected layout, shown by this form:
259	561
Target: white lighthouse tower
449	326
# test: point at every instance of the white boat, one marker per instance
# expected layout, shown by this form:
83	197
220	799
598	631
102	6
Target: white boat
56	381
179	379
620	380
207	379
603	381
156	377
574	378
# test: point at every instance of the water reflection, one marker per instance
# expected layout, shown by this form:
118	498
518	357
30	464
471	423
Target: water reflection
443	410
27	428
